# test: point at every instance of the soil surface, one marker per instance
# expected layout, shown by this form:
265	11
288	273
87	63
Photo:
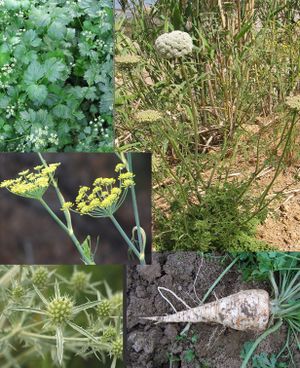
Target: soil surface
210	346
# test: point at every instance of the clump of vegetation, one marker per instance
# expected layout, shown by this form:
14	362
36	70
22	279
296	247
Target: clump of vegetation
222	222
52	324
56	63
220	80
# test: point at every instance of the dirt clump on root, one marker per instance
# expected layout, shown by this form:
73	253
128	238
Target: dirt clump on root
152	346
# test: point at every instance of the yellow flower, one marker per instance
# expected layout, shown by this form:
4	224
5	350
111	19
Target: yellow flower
127	183
120	167
23	173
104	198
67	206
30	184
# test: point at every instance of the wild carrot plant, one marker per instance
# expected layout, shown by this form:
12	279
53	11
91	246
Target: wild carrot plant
204	85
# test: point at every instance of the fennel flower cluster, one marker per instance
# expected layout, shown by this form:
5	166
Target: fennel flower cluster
105	196
31	184
174	44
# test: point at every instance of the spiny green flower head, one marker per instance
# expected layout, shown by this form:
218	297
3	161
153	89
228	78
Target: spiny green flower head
105	197
128	61
148	116
60	310
80	280
104	308
40	277
109	334
16	292
31	184
117	348
175	44
293	102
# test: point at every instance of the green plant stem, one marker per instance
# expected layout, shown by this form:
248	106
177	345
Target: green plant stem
219	279
127	240
259	340
59	195
193	106
135	209
70	232
285	149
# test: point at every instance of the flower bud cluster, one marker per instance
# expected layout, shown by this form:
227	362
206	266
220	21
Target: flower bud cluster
174	44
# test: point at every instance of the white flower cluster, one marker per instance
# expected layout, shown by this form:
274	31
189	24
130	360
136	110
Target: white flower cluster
97	127
174	44
40	139
7	69
10	111
88	35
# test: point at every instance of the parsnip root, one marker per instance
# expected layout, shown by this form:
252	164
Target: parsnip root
248	310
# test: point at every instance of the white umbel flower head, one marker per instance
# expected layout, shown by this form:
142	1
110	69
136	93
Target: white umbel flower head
174	44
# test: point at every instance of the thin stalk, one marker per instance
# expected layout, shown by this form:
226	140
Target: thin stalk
259	340
127	240
193	106
70	232
219	279
135	209
59	194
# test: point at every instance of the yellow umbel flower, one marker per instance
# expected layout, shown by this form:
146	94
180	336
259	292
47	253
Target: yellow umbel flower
104	197
31	184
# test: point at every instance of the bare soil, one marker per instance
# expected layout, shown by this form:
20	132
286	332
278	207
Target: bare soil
151	346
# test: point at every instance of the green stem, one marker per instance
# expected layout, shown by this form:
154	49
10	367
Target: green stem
59	194
70	232
127	240
135	209
193	105
259	340
219	279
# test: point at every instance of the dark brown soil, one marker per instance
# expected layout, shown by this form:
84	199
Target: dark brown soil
150	345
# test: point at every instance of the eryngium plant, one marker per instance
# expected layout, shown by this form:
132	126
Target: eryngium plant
61	319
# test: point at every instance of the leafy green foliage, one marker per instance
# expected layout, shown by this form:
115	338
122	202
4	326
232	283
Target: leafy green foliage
220	222
262	360
56	62
257	266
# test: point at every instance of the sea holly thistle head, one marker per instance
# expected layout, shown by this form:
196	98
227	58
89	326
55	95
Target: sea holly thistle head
105	197
80	281
104	309
117	348
60	310
40	277
17	292
31	184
